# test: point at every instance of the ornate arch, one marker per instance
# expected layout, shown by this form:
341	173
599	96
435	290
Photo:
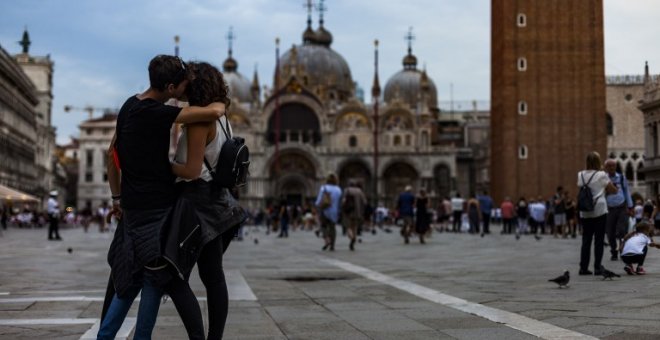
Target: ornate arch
397	120
298	118
397	175
294	160
293	176
442	179
355	169
353	121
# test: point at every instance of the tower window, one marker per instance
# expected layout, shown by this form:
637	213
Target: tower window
352	141
522	64
522	107
610	124
522	20
522	152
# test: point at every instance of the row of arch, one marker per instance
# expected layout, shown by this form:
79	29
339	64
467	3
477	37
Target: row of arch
296	174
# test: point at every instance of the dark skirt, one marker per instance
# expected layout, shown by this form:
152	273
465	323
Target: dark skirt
423	222
200	214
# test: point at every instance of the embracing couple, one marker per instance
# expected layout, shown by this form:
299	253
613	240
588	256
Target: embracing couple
172	215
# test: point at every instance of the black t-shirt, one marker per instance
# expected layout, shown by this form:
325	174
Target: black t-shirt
143	144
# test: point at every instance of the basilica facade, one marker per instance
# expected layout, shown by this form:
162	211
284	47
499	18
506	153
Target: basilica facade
312	123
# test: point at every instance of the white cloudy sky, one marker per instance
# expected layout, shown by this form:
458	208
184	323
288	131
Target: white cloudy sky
101	48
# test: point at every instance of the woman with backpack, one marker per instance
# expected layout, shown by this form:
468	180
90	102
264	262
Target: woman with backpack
206	216
328	203
594	184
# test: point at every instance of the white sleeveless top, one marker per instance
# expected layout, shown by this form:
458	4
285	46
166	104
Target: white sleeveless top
211	153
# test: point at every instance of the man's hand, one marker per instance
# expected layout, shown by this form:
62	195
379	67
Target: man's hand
218	107
116	211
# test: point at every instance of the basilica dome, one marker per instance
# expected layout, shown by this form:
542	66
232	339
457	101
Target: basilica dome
318	67
411	85
239	86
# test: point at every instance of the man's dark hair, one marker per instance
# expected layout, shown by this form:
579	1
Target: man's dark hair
207	85
165	70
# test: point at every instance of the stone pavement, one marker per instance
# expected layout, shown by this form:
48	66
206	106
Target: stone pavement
457	286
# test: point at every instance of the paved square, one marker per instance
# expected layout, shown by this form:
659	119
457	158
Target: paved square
457	286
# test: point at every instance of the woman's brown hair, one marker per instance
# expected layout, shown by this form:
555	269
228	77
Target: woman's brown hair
207	85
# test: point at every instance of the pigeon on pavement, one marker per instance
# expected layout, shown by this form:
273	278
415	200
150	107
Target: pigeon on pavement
562	280
608	274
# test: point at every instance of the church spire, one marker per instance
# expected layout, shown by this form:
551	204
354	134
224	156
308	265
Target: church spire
255	89
309	36
323	36
230	64
25	42
410	61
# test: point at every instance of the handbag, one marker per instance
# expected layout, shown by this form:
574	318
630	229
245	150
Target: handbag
326	199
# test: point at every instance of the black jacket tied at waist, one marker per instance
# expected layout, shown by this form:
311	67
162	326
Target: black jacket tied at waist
136	243
201	214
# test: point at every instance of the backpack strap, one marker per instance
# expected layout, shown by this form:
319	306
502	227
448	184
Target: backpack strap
225	128
587	183
206	162
208	166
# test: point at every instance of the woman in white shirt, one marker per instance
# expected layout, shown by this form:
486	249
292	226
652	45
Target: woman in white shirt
593	222
205	217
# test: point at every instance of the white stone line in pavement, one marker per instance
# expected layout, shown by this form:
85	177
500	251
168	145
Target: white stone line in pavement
24	322
92	332
516	321
123	333
52	299
239	290
60	292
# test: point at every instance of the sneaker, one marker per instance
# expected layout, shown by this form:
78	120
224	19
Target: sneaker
629	269
614	258
640	270
585	272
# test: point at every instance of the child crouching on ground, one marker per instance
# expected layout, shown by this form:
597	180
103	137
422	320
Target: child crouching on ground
635	246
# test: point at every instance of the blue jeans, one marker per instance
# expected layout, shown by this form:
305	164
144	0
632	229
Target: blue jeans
147	312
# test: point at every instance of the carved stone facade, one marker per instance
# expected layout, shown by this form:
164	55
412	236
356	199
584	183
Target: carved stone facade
624	122
650	106
18	127
311	123
40	71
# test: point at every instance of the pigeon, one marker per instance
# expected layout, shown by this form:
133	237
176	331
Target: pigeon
608	274
562	280
537	237
70	250
256	241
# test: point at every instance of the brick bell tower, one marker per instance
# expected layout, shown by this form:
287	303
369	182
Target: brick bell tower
547	94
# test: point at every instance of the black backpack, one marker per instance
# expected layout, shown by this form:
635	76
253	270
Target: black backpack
232	168
585	199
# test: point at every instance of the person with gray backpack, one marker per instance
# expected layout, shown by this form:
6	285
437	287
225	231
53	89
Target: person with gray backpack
594	184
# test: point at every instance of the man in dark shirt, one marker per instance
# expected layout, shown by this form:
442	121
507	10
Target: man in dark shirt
142	185
406	205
